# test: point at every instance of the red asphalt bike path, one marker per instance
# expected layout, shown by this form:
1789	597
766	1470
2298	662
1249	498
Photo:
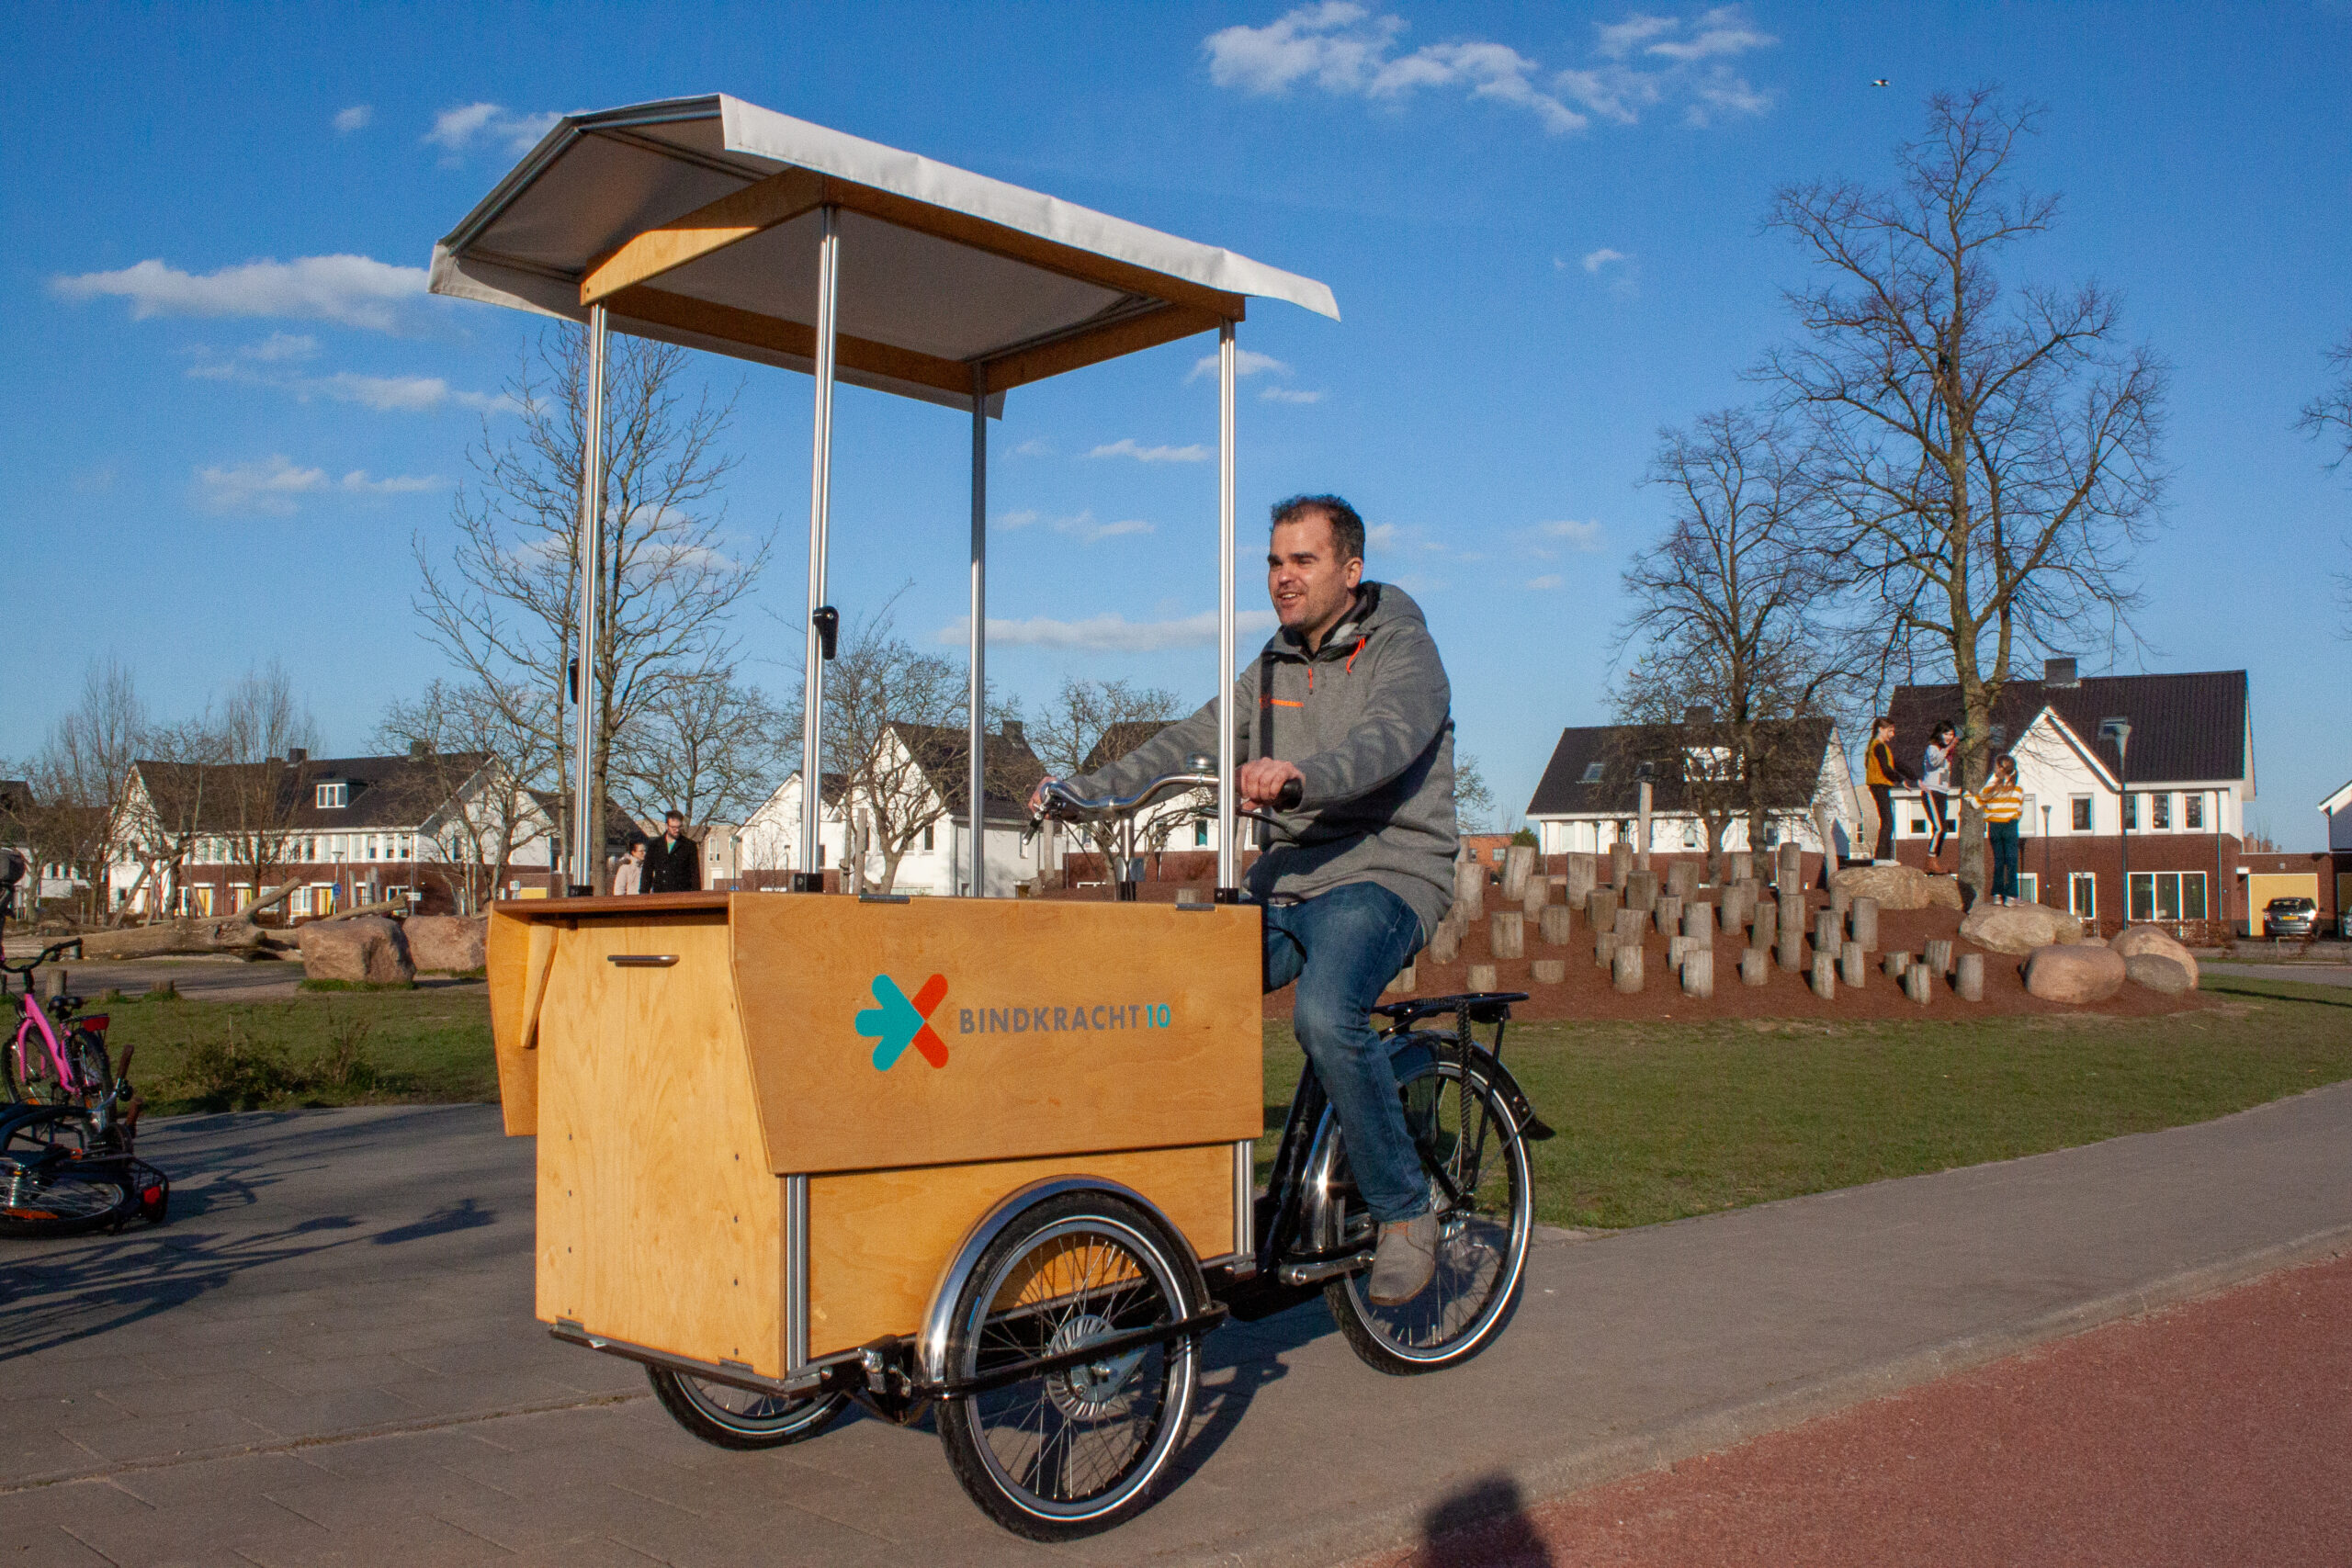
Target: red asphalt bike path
2218	1431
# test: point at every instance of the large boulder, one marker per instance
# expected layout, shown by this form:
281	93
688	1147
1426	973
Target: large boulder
1898	886
2158	973
2018	929
2150	941
450	944
2074	974
366	947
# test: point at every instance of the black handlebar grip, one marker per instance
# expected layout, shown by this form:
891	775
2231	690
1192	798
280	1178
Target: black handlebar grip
1289	796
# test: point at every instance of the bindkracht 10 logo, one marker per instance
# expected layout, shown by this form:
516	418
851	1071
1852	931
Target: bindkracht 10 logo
897	1020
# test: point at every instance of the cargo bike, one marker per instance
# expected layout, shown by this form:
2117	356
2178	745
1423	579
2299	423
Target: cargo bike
987	1159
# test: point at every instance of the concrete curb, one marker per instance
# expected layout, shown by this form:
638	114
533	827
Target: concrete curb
1542	1477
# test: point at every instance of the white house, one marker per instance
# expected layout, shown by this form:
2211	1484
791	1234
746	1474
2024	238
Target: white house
1589	799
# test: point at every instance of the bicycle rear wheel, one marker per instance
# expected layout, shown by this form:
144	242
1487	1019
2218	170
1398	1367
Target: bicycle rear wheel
28	1074
731	1417
59	1175
1467	1131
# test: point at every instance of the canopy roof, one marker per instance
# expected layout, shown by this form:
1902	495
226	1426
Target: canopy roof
695	222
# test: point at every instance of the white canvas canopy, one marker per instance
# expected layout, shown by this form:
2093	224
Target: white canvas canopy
716	224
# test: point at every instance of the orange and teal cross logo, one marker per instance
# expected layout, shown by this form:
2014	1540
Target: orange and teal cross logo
899	1023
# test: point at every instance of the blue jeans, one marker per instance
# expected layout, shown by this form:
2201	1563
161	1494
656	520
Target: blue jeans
2002	839
1342	947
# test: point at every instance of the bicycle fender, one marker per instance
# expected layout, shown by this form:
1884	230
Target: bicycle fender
1414	1052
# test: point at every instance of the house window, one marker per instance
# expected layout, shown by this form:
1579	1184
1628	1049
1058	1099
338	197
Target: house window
2082	813
1918	827
1200	835
2027	822
2160	812
926	837
1772	835
2029	888
1592	772
2082	890
372	846
2168	896
2192	812
1690	835
334	794
2131	813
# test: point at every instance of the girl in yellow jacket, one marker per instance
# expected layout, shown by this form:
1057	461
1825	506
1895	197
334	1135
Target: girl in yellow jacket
2002	802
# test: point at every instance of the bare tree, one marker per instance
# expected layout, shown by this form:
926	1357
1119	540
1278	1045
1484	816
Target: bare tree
1091	723
262	726
1731	628
173	807
1990	459
79	815
1474	800
707	747
467	784
503	604
2328	418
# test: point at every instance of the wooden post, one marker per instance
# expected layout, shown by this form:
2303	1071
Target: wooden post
1699	973
1518	864
1866	921
1739	867
1896	963
1605	949
1626	969
1482	977
1681	878
1755	966
1640	889
1824	975
1506	935
1917	984
1825	933
1629	926
1445	943
1678	948
1669	915
1470	886
1791	869
1555	925
1791	945
1601	907
1584	874
1839	902
1731	903
1538	897
1621	863
1940	957
1972	976
1699	920
1850	964
1548	971
1764	923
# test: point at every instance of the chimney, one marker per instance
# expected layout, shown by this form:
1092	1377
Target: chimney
296	756
1011	729
2059	672
1697	714
416	749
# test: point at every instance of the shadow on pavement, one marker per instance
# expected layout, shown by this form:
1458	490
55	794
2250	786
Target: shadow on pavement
1483	1522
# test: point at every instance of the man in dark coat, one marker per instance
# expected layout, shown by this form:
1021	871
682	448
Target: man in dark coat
673	863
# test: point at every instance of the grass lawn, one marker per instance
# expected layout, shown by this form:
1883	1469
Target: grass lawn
337	1048
1658	1121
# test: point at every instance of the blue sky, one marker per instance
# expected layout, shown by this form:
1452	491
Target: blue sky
1541	222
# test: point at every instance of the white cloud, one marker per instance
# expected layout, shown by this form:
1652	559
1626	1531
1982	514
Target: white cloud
1346	49
1111	633
460	131
1618	39
1721	32
355	291
355	118
1549	580
1289	395
1649	59
1125	447
1035	447
1382	537
385	394
279	348
1246	364
1595	260
1584	537
1018	519
269	488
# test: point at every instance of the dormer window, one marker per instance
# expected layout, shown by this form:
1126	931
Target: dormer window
1592	772
333	796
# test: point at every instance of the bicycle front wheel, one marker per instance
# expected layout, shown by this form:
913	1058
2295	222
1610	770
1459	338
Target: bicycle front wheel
30	1076
731	1417
1466	1131
59	1175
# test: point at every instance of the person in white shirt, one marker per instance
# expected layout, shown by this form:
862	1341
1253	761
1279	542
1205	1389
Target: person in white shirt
630	878
1935	787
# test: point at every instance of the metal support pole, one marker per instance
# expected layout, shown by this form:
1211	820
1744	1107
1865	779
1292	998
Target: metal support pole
587	832
978	718
1228	881
1641	845
821	479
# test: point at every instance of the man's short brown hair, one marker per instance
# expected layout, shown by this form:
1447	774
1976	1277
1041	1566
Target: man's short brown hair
1347	528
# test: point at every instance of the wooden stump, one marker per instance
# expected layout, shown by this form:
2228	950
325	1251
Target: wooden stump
1677	948
1537	898
1669	915
1850	964
1972	976
1940	957
1824	975
1625	971
1604	950
1641	890
1789	871
1739	867
1766	924
1402	985
1681	878
1839	903
1556	925
1600	908
1755	966
1699	920
1793	948
1621	863
1445	943
1866	921
1506	935
1896	963
1584	875
1470	887
1549	971
1629	926
1518	864
1482	977
1917	984
1733	906
1699	972
1826	932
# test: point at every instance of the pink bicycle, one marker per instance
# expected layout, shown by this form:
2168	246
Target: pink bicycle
65	1134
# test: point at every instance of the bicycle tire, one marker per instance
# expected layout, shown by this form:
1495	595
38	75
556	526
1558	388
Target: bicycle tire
59	1175
1075	1267
731	1417
31	1077
1466	1305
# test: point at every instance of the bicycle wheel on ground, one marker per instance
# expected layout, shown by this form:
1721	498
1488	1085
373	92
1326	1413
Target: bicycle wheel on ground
59	1176
1065	1454
735	1417
1468	1133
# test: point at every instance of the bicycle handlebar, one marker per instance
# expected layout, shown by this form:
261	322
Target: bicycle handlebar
46	955
1061	802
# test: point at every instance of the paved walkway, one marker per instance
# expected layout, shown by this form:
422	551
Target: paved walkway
328	1356
2306	974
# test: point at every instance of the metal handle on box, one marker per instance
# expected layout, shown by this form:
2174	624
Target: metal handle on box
642	960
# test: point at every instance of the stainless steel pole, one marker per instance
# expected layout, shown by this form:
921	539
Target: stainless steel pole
1228	858
587	836
978	711
821	479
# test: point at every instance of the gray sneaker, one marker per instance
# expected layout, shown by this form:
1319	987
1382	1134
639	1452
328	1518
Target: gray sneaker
1406	1261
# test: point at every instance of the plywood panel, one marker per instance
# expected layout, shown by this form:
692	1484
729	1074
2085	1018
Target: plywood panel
657	1222
1059	1028
506	949
878	1241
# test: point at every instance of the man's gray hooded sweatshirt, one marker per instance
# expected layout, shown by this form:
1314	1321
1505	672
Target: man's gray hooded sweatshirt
1368	719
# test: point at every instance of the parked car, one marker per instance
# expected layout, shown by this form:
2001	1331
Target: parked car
2290	917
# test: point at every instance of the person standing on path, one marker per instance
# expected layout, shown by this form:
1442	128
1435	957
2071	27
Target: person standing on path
1350	701
630	878
1935	788
1883	774
2002	802
674	865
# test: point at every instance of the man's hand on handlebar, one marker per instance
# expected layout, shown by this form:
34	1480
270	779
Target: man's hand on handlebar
1260	783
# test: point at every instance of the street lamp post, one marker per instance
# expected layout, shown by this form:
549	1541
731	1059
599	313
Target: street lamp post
2120	731
1643	773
